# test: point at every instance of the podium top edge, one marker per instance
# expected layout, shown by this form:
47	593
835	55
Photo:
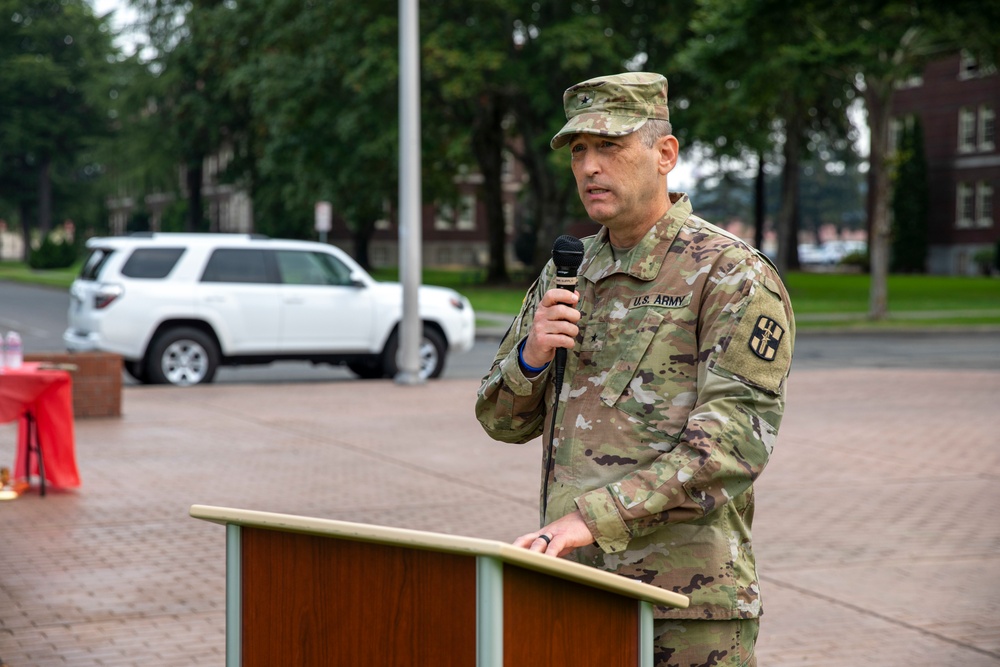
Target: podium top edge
454	544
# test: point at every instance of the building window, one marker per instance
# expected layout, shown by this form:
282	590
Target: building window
444	218
965	206
462	219
984	205
895	134
968	66
987	128
385	222
466	221
966	130
507	172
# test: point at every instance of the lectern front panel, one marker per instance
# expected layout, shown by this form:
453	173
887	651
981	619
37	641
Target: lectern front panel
552	621
310	600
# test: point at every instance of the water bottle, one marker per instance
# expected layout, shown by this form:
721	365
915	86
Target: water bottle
13	352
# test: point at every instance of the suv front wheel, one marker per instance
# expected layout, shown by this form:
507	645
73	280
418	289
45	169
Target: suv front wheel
432	354
182	356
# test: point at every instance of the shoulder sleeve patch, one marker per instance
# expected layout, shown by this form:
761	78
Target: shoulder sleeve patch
760	351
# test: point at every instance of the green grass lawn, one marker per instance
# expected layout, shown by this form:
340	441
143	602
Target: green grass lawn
848	293
819	299
21	273
952	300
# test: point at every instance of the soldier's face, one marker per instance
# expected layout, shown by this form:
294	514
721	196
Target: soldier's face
620	181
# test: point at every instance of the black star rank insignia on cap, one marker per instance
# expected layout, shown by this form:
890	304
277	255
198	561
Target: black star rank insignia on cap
766	338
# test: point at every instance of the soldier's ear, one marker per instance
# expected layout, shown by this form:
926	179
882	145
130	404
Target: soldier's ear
667	149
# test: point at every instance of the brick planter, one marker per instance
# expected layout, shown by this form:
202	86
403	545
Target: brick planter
97	382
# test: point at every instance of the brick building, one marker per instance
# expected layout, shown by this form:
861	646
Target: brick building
456	235
957	100
451	234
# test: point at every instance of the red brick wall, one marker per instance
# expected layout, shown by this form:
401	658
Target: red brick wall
97	381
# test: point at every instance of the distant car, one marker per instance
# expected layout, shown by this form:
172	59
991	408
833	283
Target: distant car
830	252
178	306
818	254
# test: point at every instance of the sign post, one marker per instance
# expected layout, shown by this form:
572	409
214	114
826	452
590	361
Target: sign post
324	219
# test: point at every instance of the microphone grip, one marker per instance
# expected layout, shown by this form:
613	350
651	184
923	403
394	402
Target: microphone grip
560	362
559	365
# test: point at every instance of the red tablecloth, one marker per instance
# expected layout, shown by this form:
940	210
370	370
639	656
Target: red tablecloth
48	395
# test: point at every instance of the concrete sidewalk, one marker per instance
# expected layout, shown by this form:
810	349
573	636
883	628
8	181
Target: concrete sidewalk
876	530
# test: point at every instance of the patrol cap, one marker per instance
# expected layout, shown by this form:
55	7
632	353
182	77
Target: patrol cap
613	106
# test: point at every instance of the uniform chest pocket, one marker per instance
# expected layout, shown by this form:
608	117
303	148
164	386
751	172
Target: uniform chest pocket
623	359
645	376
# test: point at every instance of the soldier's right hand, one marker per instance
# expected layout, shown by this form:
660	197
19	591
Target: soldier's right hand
554	326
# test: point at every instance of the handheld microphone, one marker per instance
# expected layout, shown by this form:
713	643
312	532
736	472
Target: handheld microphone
567	254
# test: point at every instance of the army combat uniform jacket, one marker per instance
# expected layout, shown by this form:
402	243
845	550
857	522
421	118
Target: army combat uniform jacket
669	410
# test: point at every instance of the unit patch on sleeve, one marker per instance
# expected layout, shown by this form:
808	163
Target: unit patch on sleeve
759	352
766	338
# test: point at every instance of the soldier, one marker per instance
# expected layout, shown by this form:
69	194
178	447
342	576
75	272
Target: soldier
679	343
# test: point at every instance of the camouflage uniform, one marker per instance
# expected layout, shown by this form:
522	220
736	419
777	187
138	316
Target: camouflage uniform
669	410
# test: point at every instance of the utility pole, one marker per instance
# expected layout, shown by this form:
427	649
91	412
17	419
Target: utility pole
410	204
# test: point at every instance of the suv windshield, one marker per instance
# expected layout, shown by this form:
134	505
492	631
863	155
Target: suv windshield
94	262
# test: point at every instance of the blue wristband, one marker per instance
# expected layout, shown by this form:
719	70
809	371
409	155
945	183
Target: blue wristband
520	359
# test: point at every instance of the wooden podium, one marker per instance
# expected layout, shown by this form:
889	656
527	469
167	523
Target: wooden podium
303	591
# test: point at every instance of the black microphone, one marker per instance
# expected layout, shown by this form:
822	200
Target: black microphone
567	254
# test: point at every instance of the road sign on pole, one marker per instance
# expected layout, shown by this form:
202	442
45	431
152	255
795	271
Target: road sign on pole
324	219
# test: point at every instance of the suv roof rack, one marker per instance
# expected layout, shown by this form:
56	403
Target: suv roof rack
151	234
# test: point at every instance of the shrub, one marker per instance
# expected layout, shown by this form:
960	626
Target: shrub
984	259
53	254
857	258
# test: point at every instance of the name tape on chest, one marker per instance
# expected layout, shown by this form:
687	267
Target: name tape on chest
660	300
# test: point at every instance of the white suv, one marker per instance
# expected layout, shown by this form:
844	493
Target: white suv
176	306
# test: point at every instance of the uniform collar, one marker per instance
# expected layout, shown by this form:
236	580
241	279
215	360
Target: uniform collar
644	260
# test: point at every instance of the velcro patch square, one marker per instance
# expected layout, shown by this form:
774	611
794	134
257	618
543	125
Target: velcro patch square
760	351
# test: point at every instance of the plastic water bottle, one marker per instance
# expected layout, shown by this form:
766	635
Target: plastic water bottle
13	352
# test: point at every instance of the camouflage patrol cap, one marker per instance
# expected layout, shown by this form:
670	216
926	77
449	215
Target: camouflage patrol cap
613	106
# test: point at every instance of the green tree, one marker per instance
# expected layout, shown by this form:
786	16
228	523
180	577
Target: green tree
558	45
873	46
54	79
910	202
763	92
305	94
186	101
467	85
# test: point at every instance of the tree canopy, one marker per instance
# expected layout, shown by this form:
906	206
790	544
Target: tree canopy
300	98
56	60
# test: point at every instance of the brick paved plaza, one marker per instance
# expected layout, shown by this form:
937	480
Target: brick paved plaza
877	529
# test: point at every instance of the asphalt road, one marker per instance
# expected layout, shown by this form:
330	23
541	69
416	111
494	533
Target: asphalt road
39	315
